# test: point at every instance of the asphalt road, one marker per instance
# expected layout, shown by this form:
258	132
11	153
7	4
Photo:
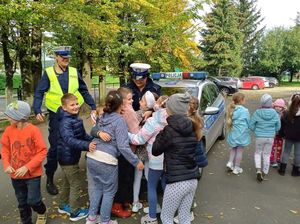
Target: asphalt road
222	198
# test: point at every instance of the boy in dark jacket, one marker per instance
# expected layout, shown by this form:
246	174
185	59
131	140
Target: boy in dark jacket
72	140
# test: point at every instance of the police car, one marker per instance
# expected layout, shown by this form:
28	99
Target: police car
212	103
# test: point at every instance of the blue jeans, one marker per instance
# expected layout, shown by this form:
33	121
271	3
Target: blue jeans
51	165
28	194
153	178
102	184
287	150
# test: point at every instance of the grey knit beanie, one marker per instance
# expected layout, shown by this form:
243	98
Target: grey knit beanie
266	100
18	110
178	103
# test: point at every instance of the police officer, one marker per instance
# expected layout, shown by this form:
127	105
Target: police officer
56	81
140	83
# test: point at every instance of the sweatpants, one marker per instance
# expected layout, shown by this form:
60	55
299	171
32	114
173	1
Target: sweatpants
263	148
102	187
178	195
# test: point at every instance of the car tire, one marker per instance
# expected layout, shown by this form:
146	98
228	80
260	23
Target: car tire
255	87
224	91
223	133
272	85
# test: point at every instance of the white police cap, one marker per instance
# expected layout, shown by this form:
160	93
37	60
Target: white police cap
140	70
64	51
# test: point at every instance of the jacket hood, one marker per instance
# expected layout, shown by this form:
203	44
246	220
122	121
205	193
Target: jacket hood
107	118
181	123
161	116
61	113
239	112
266	113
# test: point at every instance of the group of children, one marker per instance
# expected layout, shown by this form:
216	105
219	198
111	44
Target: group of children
166	145
271	123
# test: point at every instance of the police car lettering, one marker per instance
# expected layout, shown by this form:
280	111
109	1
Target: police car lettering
171	75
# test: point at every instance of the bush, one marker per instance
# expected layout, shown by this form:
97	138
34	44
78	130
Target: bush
17	82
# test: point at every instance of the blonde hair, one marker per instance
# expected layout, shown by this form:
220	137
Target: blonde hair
195	117
67	97
124	91
162	100
237	98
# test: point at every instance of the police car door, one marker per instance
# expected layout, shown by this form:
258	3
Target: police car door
213	124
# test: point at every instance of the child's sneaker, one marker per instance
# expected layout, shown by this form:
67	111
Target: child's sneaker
136	206
147	220
259	176
158	209
113	222
237	170
95	220
65	209
229	167
192	217
41	218
274	164
80	213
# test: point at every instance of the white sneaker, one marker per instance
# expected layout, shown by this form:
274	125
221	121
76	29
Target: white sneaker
237	170
229	166
97	220
158	209
136	206
192	217
147	220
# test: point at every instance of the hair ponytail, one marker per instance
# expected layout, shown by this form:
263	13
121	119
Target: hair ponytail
195	117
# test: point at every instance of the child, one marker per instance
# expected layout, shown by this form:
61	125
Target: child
102	164
178	141
265	122
72	140
279	106
238	119
23	151
290	131
147	134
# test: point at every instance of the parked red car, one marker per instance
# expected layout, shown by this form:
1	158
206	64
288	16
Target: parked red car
252	83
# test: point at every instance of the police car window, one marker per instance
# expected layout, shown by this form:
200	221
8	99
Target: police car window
172	90
213	92
205	98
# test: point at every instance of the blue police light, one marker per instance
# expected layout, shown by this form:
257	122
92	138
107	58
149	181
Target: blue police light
179	75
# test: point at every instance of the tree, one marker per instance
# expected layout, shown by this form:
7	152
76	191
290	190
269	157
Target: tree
249	24
222	41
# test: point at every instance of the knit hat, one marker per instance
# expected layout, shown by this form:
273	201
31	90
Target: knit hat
18	110
178	103
279	103
150	99
266	100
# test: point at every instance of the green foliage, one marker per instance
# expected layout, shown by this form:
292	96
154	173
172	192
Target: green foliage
16	83
222	40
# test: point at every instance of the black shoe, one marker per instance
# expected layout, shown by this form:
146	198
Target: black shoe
282	168
259	176
295	171
51	188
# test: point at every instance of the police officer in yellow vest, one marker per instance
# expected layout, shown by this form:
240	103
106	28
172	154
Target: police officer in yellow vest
56	81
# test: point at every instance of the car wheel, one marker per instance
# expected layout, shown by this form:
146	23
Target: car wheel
224	91
223	133
255	87
272	85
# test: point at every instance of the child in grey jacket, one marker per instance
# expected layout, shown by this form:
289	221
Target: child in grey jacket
265	122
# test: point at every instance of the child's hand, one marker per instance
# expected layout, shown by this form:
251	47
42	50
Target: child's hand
21	171
9	170
92	146
147	114
104	136
140	165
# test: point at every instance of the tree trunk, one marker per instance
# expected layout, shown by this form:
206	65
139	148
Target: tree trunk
8	65
36	52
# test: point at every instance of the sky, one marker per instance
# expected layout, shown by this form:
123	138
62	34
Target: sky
278	12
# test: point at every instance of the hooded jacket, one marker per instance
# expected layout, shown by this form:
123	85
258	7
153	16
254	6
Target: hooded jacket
290	130
114	125
239	134
147	135
72	138
178	143
265	122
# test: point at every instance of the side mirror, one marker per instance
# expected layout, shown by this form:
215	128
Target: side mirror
211	111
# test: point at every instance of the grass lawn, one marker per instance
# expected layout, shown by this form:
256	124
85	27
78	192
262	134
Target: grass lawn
290	84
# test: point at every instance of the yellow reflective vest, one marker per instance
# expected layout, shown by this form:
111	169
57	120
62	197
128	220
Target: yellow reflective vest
54	94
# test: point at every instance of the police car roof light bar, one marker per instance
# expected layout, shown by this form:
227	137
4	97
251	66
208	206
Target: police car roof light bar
179	75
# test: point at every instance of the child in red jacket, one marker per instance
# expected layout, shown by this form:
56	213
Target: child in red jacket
23	151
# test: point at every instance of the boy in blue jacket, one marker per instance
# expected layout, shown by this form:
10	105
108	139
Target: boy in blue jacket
72	140
265	122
